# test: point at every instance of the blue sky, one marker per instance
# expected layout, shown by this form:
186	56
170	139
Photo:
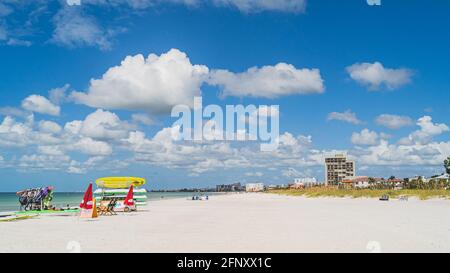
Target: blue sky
380	96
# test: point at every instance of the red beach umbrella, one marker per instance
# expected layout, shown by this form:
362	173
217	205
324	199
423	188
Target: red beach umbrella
129	199
87	199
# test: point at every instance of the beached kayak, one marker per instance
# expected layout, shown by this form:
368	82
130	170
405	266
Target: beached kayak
120	182
38	212
121	191
11	218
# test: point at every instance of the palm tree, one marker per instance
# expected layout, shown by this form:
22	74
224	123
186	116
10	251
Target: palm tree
447	184
442	184
413	184
447	165
420	184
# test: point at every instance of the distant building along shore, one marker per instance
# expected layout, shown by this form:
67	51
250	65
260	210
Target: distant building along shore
340	173
236	187
254	187
337	169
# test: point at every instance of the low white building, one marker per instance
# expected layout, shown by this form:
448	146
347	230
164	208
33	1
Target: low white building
445	177
418	177
254	187
360	182
305	180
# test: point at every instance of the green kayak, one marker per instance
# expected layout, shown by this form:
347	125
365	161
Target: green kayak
47	212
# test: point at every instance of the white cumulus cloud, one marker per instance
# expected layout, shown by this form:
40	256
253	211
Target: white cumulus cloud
347	116
143	119
374	75
100	125
75	29
92	147
365	137
199	157
153	84
49	127
13	133
58	95
40	104
393	121
427	131
268	81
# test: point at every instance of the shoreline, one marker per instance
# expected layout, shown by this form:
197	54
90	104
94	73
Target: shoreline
61	199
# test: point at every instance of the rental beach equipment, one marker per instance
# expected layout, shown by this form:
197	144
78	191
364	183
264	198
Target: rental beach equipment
129	203
118	189
35	202
36	199
88	206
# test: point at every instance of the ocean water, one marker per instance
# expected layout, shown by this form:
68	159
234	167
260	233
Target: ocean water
10	202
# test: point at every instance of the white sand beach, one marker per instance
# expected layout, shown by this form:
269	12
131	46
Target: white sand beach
244	223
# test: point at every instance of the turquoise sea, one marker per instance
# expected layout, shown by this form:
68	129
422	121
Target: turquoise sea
10	202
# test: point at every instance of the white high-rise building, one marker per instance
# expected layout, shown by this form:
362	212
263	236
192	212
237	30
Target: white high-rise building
338	168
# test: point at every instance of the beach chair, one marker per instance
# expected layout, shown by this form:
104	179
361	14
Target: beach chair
102	209
111	206
108	209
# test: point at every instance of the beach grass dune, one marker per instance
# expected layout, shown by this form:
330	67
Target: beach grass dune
235	223
364	193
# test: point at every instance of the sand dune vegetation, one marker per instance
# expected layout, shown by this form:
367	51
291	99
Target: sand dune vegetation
422	194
